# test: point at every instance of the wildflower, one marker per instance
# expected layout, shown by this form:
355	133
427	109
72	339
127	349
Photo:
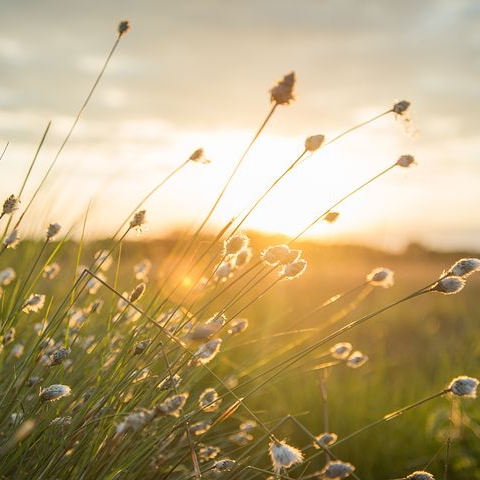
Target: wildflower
293	270
172	381
55	392
381	277
17	350
224	465
200	428
356	359
464	387
314	142
59	356
95	306
223	271
7	276
284	455
9	337
208	400
324	440
279	255
243	257
401	107
406	161
138	220
237	326
51	271
34	303
198	156
11	204
241	438
337	470
142	269
331	217
141	346
236	243
33	381
11	240
135	421
94	284
449	285
420	475
208	453
123	27
102	260
172	405
207	351
282	93
141	375
463	267
137	292
61	421
52	230
341	350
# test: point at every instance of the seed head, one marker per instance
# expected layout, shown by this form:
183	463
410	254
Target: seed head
55	392
209	401
449	285
465	267
123	27
172	381
356	359
341	350
381	277
141	346
235	244
138	220
224	465
243	257
248	425
135	421
237	326
280	255
324	440
464	387
11	204
137	292
282	93
420	475
52	230
241	438
337	470
314	142
331	217
294	269
57	357
200	428
51	271
401	107
7	276
223	271
11	240
142	269
406	161
207	351
103	259
172	405
34	303
284	455
208	453
9	336
198	156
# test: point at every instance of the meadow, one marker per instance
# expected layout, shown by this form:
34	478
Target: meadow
235	354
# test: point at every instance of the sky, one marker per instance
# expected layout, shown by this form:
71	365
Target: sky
195	74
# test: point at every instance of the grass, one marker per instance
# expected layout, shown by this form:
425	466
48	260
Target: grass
105	379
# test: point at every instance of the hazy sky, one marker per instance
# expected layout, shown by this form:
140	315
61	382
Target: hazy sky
197	73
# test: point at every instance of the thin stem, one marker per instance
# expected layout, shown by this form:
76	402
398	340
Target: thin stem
4	151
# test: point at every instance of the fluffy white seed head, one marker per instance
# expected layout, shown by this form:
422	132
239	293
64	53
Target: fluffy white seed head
420	475
103	260
243	257
237	326
224	465
51	271
142	269
34	303
314	142
172	405
135	421
12	239
337	470
55	392
123	27
401	107
341	350
276	255
331	217
138	220
224	270
209	401
7	276
283	92
11	204
170	382
449	285
52	230
137	292
283	455
235	244
294	269
464	387
324	440
208	351
356	359
381	277
464	267
406	161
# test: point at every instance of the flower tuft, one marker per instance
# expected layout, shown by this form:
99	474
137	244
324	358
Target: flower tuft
420	475
207	351
356	359
401	107
283	455
224	465
314	142
7	276
235	244
137	292
52	230
381	277
138	220
34	303
293	270
283	92
464	267
325	440
123	27
198	156
464	387
12	239
406	161
55	392
337	470
341	350
449	285
11	204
